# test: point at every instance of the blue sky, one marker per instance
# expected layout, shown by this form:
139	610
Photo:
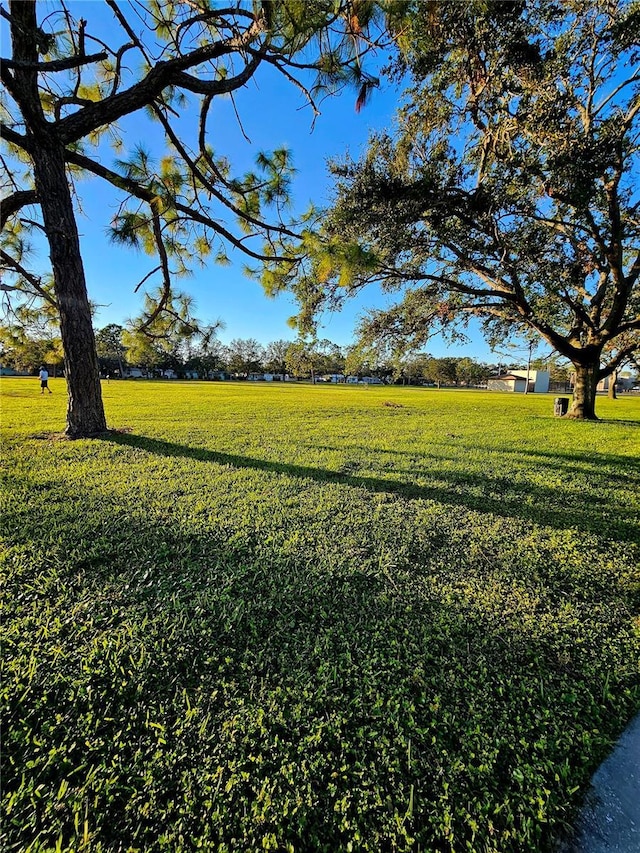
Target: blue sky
273	114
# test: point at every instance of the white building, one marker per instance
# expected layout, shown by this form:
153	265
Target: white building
516	381
507	382
539	379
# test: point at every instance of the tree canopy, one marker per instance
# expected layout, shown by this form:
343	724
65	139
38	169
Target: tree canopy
68	84
507	190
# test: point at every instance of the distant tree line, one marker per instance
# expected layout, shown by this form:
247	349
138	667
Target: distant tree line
196	352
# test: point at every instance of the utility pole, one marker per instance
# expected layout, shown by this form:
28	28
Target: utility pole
526	387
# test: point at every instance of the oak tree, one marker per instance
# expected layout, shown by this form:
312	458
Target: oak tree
507	190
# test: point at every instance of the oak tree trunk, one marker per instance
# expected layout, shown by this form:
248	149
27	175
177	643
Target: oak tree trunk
613	381
85	412
583	406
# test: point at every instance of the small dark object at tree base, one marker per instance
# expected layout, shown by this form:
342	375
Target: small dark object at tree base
560	406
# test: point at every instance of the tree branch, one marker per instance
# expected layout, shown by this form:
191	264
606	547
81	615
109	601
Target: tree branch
619	359
630	326
13	203
209	186
634	272
17	139
55	64
632	79
166	275
202	142
115	8
7	79
161	75
147	276
148	196
33	280
217	87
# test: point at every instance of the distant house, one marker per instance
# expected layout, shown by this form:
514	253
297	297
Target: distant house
516	381
133	373
623	382
255	377
169	373
507	382
334	377
275	377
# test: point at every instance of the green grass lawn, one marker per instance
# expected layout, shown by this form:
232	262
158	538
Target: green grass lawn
299	618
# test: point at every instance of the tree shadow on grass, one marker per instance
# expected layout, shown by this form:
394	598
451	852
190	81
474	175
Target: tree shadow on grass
175	676
593	463
619	422
527	501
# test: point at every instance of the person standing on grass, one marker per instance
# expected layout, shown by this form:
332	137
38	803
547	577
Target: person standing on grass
44	380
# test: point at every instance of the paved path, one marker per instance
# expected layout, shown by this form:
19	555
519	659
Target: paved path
610	819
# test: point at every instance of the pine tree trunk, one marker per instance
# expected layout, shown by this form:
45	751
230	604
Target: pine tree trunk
583	406
85	412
